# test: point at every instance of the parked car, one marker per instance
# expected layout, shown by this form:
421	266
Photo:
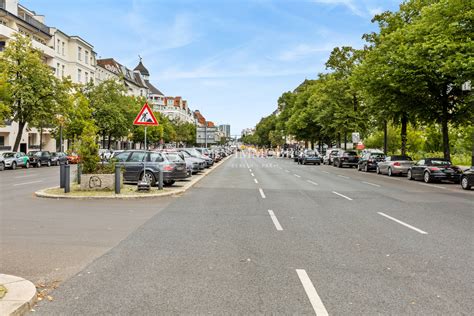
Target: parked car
195	153
15	159
434	169
328	158
467	179
73	158
39	158
394	165
105	154
345	158
133	162
198	163
2	163
370	160
178	158
59	158
309	156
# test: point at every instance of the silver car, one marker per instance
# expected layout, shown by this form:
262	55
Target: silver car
15	159
394	165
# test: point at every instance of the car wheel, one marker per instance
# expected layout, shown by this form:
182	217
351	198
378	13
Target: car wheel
339	165
2	166
426	177
149	178
465	183
13	165
390	172
409	176
377	170
49	163
168	182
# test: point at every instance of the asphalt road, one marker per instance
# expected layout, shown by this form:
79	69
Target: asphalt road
268	236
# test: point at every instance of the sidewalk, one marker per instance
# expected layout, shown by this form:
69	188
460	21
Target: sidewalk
20	296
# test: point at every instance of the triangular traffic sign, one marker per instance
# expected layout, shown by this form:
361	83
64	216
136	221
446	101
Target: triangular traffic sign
145	117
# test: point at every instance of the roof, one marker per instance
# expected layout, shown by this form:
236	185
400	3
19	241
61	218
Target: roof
199	117
113	66
142	69
152	88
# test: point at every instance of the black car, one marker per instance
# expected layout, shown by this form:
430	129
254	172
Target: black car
369	161
309	156
134	163
59	158
467	179
345	158
39	158
434	169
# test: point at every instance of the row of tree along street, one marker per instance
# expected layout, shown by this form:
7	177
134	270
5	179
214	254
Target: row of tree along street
31	95
407	89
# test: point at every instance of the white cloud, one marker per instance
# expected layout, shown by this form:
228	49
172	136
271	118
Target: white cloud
361	8
303	50
347	3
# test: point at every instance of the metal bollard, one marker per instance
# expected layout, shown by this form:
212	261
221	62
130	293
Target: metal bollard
61	175
79	172
160	180
67	179
117	179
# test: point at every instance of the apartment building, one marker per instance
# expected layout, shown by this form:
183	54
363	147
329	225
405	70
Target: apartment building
67	56
134	82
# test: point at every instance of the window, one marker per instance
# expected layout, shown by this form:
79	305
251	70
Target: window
79	53
62	71
79	73
137	156
64	49
86	58
121	157
86	75
57	69
2	140
59	45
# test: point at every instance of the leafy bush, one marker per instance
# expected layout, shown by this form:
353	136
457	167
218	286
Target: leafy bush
88	149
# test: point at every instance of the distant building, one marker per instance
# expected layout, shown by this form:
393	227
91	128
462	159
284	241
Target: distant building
248	131
225	129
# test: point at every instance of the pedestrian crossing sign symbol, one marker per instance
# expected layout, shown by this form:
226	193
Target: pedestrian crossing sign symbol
145	117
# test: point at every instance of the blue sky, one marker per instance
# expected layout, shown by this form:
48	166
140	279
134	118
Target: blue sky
231	59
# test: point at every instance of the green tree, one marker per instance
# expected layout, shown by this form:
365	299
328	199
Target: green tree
88	148
30	84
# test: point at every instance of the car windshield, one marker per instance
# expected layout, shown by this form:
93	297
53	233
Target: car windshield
400	158
173	157
8	155
440	162
350	153
377	155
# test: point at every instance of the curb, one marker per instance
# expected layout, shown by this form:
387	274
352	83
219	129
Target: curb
20	298
43	194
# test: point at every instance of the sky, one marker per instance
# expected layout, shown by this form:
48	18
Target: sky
231	59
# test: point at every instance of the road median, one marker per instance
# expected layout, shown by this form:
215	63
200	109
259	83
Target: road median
129	191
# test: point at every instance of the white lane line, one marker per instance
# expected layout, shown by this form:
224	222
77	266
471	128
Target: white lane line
403	223
250	169
309	181
372	184
313	296
255	181
261	193
348	198
275	220
252	174
432	185
25	183
340	175
297	176
325	172
29	175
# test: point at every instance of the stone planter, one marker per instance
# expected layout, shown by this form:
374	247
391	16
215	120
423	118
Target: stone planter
98	182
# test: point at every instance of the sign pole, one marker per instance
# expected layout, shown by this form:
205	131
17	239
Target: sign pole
144	159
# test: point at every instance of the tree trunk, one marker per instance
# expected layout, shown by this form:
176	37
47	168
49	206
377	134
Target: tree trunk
41	137
472	158
445	130
338	140
404	134
21	126
103	139
385	137
108	141
345	141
